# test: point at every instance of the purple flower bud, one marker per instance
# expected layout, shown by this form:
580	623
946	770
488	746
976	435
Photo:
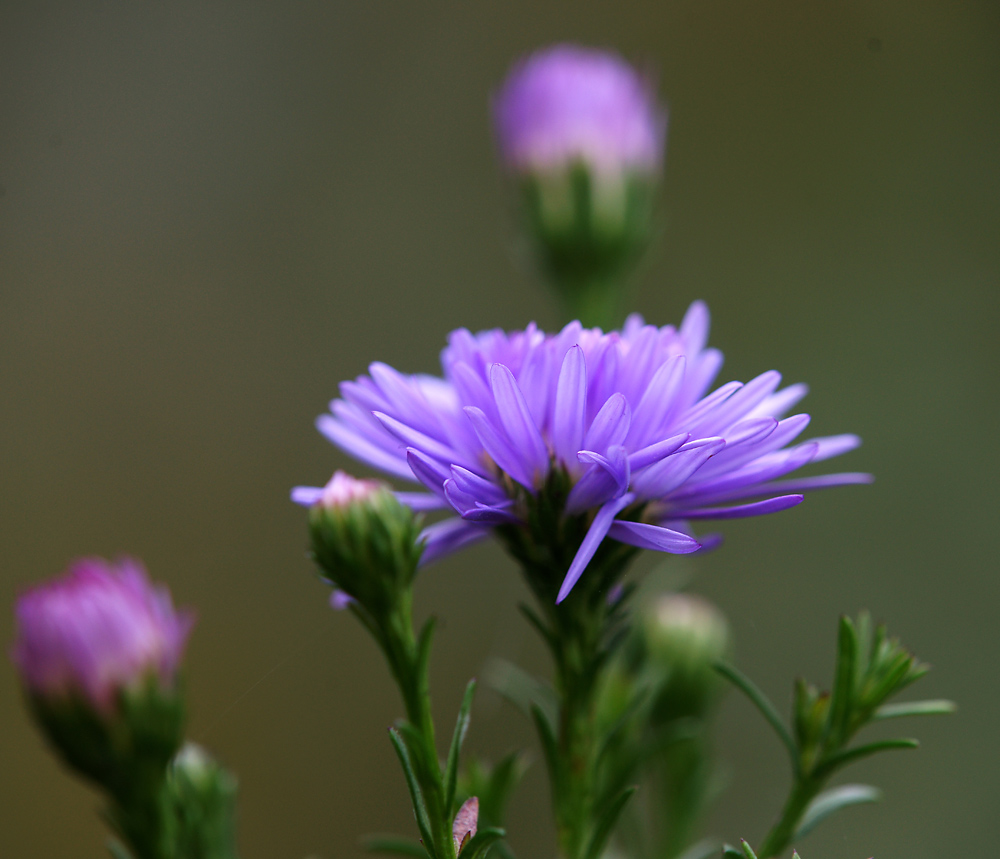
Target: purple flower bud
100	629
568	104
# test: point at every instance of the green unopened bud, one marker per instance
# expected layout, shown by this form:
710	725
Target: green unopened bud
684	637
203	796
364	541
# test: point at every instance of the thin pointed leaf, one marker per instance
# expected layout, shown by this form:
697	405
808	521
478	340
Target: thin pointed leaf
457	738
415	746
831	801
602	832
118	850
842	696
730	852
477	846
549	746
856	754
763	704
502	781
419	808
938	707
701	850
522	689
795	854
747	849
394	844
540	626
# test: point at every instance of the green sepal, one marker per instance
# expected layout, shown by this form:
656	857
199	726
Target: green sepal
842	696
416	795
481	842
831	801
457	738
395	845
606	823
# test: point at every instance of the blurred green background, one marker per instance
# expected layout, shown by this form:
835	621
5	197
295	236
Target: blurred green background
211	213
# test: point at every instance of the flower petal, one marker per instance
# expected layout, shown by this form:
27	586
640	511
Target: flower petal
596	533
420	500
516	419
499	448
611	424
742	511
673	471
443	538
307	495
352	442
571	406
653	537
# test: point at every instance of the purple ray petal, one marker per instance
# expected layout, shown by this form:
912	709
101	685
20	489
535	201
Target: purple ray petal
479	487
739	405
834	445
414	438
611	424
595	487
673	471
694	327
655	452
499	448
596	533
764	469
515	417
780	401
443	538
742	511
428	471
653	537
358	446
694	414
339	600
658	402
616	463
420	500
571	406
307	495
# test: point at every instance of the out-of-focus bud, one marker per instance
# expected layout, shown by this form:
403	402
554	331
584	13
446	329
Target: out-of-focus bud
98	651
364	541
684	636
583	132
466	822
204	797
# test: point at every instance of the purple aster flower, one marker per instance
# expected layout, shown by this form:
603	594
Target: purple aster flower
569	104
96	631
627	417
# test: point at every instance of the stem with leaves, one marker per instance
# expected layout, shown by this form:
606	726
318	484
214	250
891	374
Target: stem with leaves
871	668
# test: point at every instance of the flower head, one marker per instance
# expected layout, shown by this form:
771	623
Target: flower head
625	419
100	629
568	104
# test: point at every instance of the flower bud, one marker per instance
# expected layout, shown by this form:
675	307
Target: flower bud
203	795
684	636
100	630
364	541
583	133
98	651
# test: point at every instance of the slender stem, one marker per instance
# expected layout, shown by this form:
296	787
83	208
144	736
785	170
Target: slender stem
783	831
402	652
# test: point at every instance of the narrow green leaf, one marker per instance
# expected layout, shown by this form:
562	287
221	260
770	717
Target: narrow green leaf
856	754
502	781
481	842
550	748
730	852
394	844
118	850
842	696
795	854
914	708
747	849
415	745
832	800
416	795
539	626
457	738
763	704
521	689
701	850
424	649
606	823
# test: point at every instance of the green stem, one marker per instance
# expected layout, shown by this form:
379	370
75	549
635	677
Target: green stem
410	672
593	301
783	831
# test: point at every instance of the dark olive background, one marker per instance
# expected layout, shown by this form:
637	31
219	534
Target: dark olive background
212	213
